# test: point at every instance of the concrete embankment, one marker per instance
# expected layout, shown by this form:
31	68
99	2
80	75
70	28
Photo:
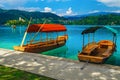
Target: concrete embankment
58	68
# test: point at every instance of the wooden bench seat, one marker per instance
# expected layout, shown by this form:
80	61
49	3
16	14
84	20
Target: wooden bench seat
90	48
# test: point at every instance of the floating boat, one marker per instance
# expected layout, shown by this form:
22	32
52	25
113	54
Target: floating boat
97	52
48	43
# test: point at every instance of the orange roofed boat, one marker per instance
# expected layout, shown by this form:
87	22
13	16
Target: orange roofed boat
97	52
48	43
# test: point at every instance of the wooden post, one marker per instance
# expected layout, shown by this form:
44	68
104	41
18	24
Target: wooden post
50	36
88	39
57	37
115	40
25	33
83	40
40	36
93	37
65	33
47	37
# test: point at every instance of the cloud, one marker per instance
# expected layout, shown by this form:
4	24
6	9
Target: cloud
47	9
63	14
117	11
30	9
1	6
36	0
110	3
94	11
13	2
69	11
39	0
58	0
62	0
114	11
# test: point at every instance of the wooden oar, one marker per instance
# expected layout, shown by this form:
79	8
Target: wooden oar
25	33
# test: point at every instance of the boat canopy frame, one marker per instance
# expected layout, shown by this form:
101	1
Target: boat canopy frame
94	29
44	28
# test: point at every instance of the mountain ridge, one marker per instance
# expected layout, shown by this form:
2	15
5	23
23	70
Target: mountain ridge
78	17
99	18
14	14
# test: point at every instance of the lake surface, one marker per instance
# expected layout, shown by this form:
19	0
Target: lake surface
10	37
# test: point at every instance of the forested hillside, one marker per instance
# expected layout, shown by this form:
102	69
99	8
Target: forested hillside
11	16
108	19
37	17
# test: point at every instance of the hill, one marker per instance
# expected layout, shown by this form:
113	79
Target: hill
78	17
37	17
101	18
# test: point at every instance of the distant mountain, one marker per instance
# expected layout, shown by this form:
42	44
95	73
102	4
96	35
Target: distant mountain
102	13
1	10
78	17
6	15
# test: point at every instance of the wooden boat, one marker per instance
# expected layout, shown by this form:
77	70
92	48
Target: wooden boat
97	52
48	43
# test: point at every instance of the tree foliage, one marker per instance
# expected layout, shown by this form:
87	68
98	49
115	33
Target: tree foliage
109	19
12	16
9	17
15	22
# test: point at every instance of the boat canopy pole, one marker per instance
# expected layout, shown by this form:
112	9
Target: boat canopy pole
46	36
115	40
93	36
88	39
37	32
51	36
57	37
25	33
65	33
83	39
40	36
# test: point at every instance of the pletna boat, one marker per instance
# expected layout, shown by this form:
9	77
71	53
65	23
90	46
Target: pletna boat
97	52
44	44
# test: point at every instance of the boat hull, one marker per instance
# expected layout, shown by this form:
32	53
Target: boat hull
42	46
97	53
37	49
91	59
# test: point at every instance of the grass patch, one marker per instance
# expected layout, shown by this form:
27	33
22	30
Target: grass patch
7	73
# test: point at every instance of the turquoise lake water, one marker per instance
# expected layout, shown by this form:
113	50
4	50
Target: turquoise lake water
10	37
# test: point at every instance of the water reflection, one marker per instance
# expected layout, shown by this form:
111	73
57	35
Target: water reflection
61	52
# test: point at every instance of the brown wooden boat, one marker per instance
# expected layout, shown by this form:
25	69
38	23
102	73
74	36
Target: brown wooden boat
48	43
97	52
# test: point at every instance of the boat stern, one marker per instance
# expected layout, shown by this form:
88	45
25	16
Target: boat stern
92	59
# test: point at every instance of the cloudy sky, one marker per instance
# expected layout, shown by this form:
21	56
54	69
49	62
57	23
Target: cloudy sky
63	7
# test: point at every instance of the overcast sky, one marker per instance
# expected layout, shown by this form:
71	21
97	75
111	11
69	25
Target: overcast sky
63	7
